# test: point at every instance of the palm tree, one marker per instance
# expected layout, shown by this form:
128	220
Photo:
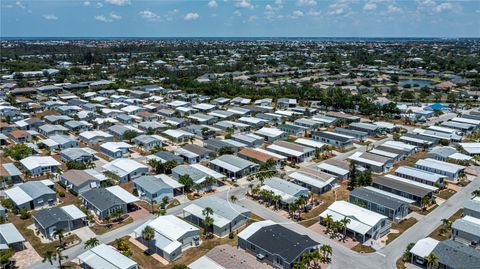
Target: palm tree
60	257
432	260
92	242
148	233
476	193
60	233
328	222
49	256
207	221
345	221
326	252
233	198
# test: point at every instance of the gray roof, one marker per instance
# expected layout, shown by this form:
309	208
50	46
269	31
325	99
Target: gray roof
47	128
467	224
36	189
472	205
194	173
457	255
11	169
236	161
168	156
51	216
151	184
377	198
75	153
101	198
443	151
221	207
74	124
365	126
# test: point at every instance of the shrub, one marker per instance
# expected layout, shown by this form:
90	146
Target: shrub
61	194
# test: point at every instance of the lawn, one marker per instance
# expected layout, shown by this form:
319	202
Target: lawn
401	227
34	240
411	160
311	217
445	194
363	249
101	229
436	233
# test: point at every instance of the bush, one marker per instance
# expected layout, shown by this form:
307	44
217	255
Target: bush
61	194
231	235
24	214
7	203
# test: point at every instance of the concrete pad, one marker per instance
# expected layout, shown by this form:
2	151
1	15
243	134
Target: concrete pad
27	257
84	233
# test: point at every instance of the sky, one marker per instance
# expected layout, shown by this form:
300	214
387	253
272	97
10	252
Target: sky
239	18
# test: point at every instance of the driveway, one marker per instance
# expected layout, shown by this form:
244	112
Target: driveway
84	233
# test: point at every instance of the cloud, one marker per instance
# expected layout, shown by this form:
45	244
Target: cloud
99	5
191	16
149	15
212	4
108	18
50	17
341	7
369	6
237	13
87	3
314	13
20	5
394	9
244	4
297	13
118	2
252	18
443	7
308	3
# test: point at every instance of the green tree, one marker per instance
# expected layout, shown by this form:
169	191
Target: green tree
186	181
432	260
129	135
148	233
60	234
92	242
18	151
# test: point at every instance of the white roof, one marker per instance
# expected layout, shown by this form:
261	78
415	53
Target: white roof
123	166
440	165
254	227
105	257
203	106
74	212
310	180
122	194
251	120
171	226
276	155
115	146
309	142
384	124
399	145
412	182
205	262
169	181
464	120
177	133
197	211
270	132
384	153
208	171
285	150
10	233
18	196
362	220
424	247
92	134
335	169
226	165
357	157
33	162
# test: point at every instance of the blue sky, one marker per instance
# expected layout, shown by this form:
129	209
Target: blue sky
214	18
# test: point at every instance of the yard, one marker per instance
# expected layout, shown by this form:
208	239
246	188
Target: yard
445	194
400	227
411	160
363	249
326	199
436	234
101	229
34	240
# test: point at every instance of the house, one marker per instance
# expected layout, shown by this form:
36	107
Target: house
68	218
203	118
192	153
49	130
472	208
419	140
291	129
315	181
334	139
308	123
80	181
234	126
404	187
172	235
153	188
271	134
58	142
358	135
252	121
79	155
233	167
466	230
286	102
340	169
115	149
226	217
165	156
375	163
452	254
406	148
275	244
370	129
364	224
77	126
294	152
395	207
178	135
126	169
261	156
452	171
251	140
105	256
464	128
20	136
422	249
289	192
197	172
149	142
10	173
40	165
10	237
471	149
227	256
420	175
95	137
105	201
32	195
